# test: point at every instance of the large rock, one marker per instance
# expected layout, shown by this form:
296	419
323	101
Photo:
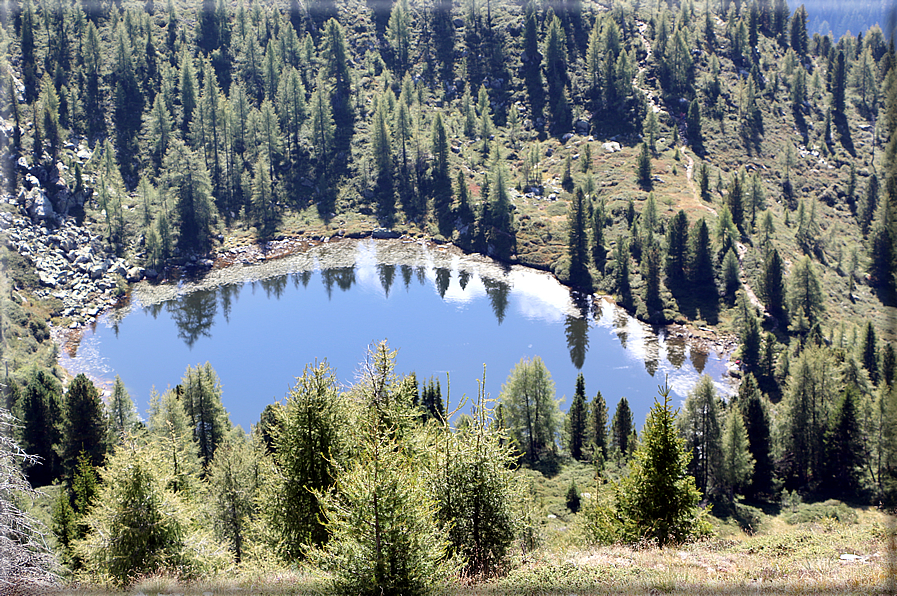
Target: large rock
98	270
40	207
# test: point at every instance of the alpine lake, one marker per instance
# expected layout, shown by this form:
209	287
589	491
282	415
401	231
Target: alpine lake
451	316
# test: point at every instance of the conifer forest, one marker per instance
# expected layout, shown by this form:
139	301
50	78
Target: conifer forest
728	167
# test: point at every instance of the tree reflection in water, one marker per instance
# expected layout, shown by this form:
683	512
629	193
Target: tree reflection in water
621	320
652	353
577	330
407	271
274	286
302	277
229	294
676	352
387	276
498	295
698	359
194	315
343	277
463	278
443	277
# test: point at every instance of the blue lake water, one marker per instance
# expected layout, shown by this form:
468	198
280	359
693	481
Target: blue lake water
446	314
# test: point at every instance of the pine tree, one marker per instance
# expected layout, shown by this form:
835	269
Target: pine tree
577	420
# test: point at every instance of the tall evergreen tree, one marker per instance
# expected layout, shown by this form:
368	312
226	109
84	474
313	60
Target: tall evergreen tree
40	410
755	412
597	427
805	300
122	413
844	446
622	429
577	420
677	248
577	241
188	183
738	463
84	425
658	498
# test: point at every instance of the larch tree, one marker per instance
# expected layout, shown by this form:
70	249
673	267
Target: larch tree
306	448
188	183
200	392
122	414
529	408
700	428
233	484
738	463
384	536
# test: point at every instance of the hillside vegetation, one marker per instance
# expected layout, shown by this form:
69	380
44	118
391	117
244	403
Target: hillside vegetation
707	164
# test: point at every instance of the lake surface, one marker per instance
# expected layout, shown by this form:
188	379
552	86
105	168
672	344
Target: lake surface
446	313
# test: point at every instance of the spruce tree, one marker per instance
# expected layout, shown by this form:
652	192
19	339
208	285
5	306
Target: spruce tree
643	167
577	420
658	498
40	410
84	425
597	427
577	241
844	447
755	413
622	429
